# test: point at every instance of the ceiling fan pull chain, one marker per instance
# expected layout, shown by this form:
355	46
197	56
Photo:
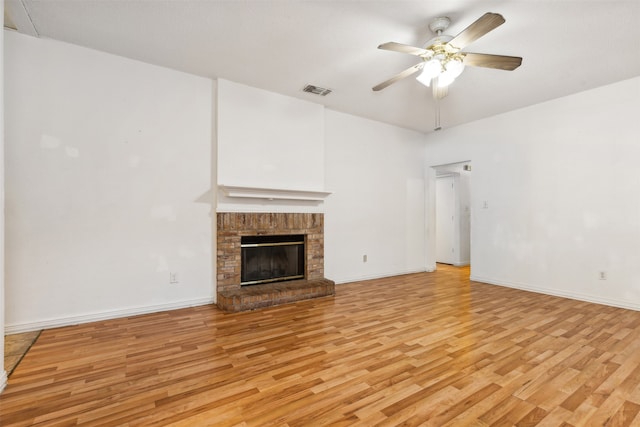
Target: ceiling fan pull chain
436	98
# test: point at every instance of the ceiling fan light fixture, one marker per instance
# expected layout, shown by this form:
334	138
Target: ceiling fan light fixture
452	69
454	66
430	70
445	80
445	74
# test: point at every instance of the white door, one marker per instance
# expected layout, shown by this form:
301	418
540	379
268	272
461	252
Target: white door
445	219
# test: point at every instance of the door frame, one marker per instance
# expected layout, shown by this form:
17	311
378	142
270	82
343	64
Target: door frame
430	174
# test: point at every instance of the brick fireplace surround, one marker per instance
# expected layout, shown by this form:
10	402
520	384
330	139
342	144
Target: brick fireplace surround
232	226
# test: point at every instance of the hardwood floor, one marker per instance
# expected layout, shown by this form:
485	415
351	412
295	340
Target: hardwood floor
15	347
421	349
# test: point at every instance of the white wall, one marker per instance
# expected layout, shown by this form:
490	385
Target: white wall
464	217
376	173
268	140
3	373
107	178
562	189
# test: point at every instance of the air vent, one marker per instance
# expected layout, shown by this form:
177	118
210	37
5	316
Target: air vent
317	90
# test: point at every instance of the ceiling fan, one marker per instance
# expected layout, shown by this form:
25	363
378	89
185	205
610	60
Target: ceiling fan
442	56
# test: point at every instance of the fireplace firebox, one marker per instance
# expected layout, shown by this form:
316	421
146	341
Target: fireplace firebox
272	258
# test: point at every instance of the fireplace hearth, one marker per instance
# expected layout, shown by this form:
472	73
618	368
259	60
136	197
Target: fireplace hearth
292	274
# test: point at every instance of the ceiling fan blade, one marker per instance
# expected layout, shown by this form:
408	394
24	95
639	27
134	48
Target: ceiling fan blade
400	76
500	62
473	32
403	48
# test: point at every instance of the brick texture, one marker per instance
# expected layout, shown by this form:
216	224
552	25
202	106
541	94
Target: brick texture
233	225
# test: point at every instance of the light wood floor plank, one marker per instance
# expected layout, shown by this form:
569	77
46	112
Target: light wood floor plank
420	349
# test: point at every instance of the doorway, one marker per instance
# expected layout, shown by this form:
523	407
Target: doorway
451	213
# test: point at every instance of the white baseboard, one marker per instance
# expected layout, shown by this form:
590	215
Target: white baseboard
554	292
3	380
461	264
95	317
377	276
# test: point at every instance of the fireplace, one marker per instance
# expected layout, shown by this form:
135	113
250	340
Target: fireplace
268	259
295	271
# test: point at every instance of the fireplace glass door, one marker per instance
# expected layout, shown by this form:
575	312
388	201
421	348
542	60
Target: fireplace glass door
267	259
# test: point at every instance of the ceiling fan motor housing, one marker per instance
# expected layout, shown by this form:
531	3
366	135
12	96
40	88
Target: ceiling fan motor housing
438	25
439	40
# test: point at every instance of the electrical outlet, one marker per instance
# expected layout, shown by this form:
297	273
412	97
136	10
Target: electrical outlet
602	275
173	278
364	258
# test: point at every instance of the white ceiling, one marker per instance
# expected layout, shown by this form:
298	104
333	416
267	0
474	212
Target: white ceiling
280	45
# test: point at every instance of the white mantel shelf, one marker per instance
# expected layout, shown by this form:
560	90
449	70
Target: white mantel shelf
274	193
